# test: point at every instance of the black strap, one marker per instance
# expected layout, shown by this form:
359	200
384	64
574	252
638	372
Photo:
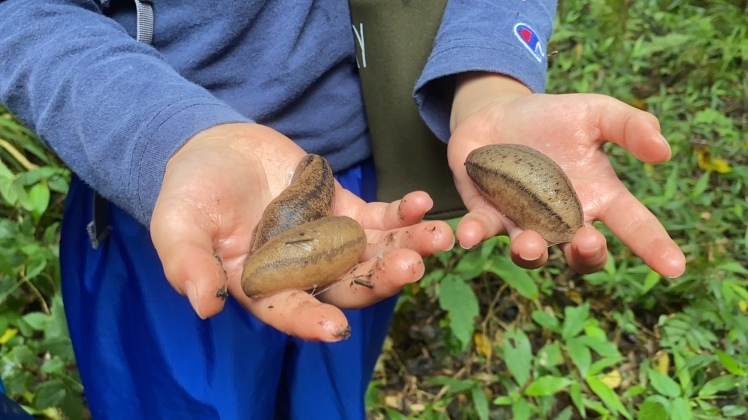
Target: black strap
98	228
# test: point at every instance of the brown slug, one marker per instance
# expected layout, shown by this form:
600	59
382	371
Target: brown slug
298	244
309	196
529	188
305	257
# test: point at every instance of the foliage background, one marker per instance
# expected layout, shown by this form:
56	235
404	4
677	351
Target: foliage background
478	337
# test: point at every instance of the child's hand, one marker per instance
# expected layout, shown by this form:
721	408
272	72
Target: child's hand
571	130
214	192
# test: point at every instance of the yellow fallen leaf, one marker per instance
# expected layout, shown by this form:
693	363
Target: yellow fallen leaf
663	363
482	344
8	334
743	305
575	296
709	163
612	379
638	103
393	401
417	407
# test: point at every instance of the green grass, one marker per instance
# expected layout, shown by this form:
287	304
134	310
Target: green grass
478	337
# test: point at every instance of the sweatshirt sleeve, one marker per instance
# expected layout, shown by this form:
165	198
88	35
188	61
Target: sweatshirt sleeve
507	37
109	106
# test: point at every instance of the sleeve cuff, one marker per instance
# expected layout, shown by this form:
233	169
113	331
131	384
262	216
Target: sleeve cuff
494	38
169	130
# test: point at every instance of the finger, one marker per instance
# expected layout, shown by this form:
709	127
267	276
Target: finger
635	130
375	280
640	230
529	250
587	252
426	238
385	216
186	253
480	224
299	314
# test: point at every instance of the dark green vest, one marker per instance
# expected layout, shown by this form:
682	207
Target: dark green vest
394	39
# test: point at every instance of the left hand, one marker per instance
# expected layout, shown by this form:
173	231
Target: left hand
571	130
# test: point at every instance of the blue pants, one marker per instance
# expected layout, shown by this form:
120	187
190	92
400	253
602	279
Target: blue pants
144	354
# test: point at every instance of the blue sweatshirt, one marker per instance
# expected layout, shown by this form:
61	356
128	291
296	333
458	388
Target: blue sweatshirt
115	110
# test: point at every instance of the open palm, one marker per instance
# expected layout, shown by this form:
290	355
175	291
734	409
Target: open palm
571	130
213	195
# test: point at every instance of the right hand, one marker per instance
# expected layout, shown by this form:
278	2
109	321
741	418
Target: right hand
214	191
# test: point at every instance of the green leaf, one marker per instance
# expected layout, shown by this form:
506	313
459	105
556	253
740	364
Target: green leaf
503	400
546	320
671	185
514	276
580	354
682	373
733	267
37	320
599	408
601	346
663	384
652	410
59	346
650	281
518	355
39	198
59	184
35	265
395	415
717	385
574	319
458	299
480	402
680	409
603	364
734	410
23	355
453	385
595	332
547	385
49	394
701	185
549	355
18	383
53	365
634	391
575	392
565	414
471	265
730	364
521	410
58	326
607	395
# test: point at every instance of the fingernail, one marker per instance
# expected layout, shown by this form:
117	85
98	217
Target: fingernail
464	247
529	258
191	291
343	334
664	141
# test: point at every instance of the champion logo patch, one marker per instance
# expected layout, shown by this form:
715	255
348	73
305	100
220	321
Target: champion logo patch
530	40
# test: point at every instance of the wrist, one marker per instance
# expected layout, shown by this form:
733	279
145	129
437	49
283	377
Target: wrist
475	90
